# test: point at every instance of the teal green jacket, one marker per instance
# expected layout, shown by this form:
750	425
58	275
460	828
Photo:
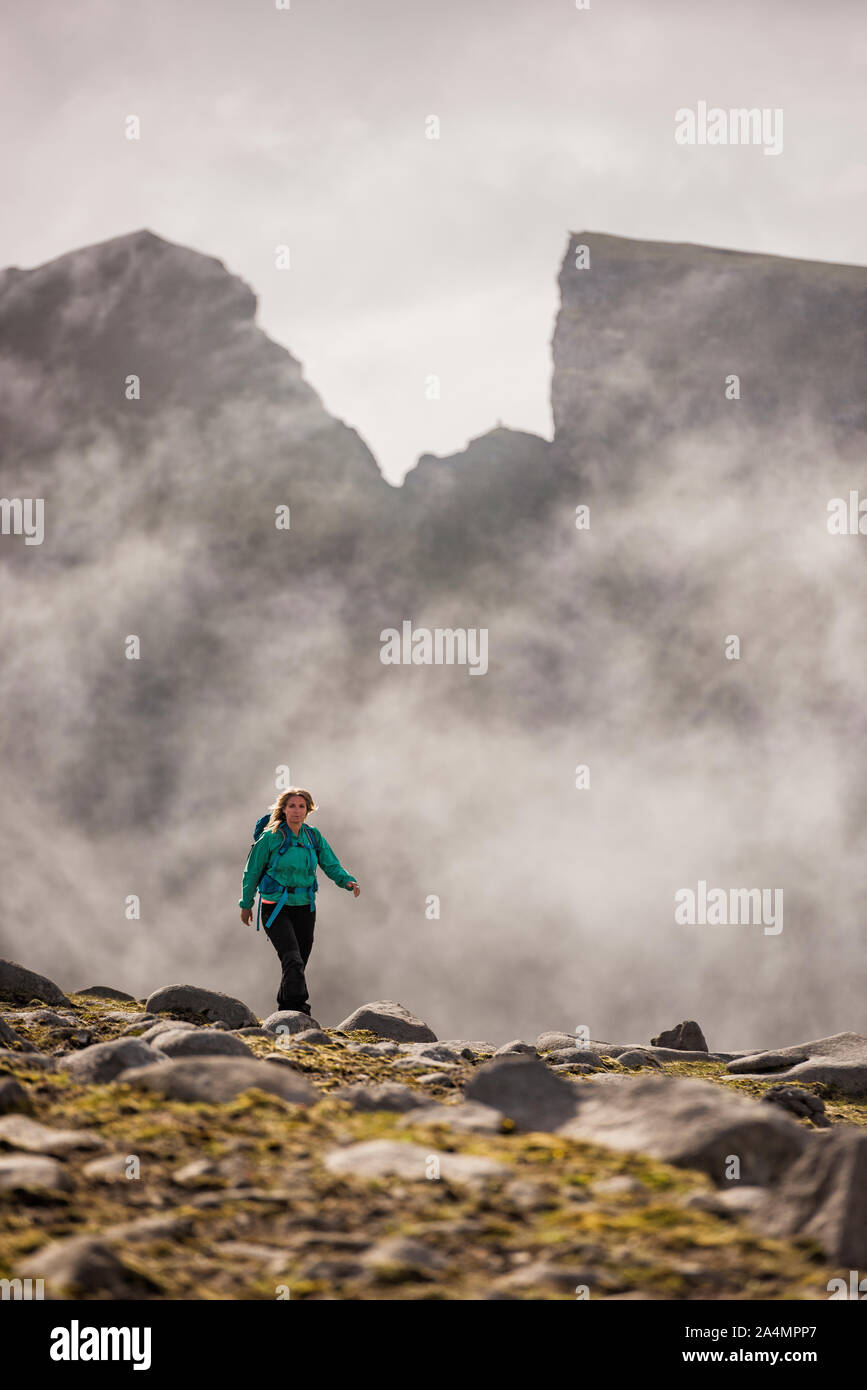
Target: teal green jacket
292	870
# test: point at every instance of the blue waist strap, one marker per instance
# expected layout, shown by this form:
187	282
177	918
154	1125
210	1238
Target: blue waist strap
283	899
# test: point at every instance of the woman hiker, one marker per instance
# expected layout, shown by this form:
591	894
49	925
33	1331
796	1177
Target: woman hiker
282	865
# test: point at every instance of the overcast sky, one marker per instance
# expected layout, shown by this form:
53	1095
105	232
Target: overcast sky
412	256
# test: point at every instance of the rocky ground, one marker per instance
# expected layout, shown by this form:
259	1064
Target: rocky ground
178	1148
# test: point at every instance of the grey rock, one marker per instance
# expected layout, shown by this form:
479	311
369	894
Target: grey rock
28	1060
148	1228
470	1116
270	1257
109	1168
19	986
195	1172
663	1054
618	1185
470	1049
798	1102
429	1052
383	1049
20	1132
435	1078
692	1124
314	1037
49	1017
200	1042
106	992
85	1265
551	1042
14	1099
636	1057
217	1079
29	1172
575	1055
839	1061
216	1007
824	1196
384	1158
525	1090
421	1064
389	1019
735	1200
390	1095
581	1068
539	1273
289	1021
683	1037
516	1046
396	1255
12	1040
102	1062
253	1033
167	1025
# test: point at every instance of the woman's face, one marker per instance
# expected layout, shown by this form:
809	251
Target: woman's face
295	810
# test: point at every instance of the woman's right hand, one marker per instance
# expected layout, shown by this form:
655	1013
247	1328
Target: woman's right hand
246	915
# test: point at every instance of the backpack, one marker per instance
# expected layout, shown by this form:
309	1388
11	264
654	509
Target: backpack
269	884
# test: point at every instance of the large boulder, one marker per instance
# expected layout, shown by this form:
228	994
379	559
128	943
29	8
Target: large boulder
684	1037
693	1124
824	1195
19	986
525	1090
839	1061
184	1001
104	1061
200	1042
389	1020
217	1079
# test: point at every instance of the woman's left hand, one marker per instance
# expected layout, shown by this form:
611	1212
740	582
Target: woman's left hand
355	888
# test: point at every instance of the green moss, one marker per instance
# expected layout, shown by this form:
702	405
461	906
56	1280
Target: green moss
644	1239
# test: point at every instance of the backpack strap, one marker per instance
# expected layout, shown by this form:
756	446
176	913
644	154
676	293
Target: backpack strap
312	850
283	898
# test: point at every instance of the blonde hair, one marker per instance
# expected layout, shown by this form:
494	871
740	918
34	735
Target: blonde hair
278	810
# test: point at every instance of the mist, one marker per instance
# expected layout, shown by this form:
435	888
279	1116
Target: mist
260	650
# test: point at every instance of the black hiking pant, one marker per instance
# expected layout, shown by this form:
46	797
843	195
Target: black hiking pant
291	935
